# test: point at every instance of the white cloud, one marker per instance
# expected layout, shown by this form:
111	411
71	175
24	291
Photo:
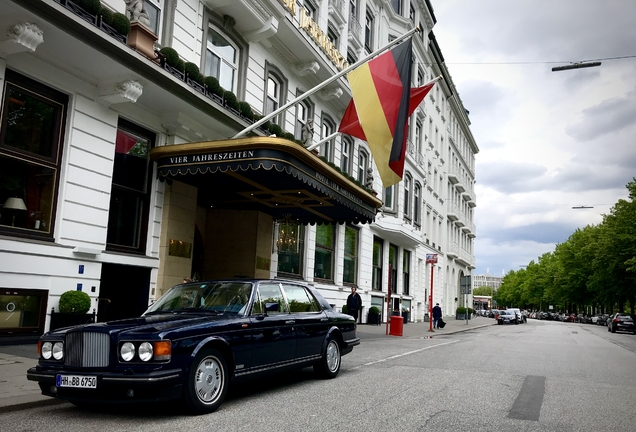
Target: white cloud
548	140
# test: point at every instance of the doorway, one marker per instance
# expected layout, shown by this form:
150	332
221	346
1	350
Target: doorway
123	292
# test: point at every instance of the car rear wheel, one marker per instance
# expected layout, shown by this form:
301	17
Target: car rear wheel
329	365
207	382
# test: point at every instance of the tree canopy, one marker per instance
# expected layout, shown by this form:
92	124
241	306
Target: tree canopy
593	271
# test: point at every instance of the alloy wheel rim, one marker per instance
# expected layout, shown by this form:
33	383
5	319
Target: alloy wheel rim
333	359
208	380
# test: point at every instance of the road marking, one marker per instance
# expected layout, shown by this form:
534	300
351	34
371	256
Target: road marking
404	354
527	406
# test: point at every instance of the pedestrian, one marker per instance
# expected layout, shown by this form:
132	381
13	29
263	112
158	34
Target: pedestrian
437	315
354	303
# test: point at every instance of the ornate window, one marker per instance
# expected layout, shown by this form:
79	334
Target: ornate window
304	129
328	128
153	9
406	270
393	261
275	91
368	32
221	59
347	150
417	204
389	198
408	184
363	166
397	6
376	273
350	266
130	193
31	142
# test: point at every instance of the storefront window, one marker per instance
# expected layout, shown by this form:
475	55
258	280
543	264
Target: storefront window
290	245
22	311
350	255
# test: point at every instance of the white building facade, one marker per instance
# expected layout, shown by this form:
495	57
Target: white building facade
86	115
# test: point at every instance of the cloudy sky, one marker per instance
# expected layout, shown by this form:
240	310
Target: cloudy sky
547	140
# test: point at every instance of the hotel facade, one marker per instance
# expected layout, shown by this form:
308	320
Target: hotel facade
119	176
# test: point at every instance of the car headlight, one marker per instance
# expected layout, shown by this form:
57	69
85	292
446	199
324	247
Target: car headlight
145	351
58	350
47	348
127	351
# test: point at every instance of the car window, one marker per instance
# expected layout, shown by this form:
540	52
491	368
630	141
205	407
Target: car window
269	293
299	299
219	297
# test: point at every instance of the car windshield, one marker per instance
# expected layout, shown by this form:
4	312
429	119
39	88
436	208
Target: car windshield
218	297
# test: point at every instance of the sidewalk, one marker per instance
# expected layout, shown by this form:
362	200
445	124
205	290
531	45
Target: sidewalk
16	392
421	329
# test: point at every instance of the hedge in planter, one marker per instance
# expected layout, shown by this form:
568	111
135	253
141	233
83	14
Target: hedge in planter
74	302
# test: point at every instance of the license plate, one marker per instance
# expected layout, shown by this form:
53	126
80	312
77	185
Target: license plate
76	381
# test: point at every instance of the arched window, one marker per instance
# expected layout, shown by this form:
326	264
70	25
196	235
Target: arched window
328	127
417	204
275	91
363	166
221	59
408	184
347	151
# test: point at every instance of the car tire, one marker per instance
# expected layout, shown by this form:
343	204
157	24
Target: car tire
329	365
207	382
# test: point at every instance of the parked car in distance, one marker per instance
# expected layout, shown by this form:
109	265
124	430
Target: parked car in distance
193	342
521	318
602	319
507	317
621	322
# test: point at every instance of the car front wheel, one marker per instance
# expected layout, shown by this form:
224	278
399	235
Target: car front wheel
207	382
329	365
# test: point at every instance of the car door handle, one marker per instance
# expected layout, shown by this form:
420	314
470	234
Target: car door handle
290	322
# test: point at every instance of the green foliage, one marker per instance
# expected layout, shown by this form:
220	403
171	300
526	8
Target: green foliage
192	70
230	100
74	302
213	85
471	311
246	109
90	6
120	23
483	291
180	65
373	310
345	309
276	129
461	310
595	268
171	55
289	136
106	14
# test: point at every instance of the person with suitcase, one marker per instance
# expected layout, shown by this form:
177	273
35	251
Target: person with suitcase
437	315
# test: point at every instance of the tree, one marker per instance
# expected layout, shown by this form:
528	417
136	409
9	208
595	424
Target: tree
483	291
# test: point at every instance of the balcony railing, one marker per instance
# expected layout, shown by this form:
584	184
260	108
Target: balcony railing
355	29
411	150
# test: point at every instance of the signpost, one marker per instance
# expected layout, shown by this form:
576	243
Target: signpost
432	260
465	288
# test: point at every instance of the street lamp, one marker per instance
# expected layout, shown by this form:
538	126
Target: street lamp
579	65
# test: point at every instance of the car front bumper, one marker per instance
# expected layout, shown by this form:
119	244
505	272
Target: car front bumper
116	387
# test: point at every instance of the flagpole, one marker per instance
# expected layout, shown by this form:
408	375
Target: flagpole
324	83
324	140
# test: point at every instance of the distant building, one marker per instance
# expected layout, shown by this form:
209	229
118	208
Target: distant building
487	280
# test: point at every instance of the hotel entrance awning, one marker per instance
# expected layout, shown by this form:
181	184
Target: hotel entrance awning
267	174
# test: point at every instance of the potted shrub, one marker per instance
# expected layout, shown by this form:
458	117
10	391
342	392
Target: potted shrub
374	315
72	309
460	313
344	309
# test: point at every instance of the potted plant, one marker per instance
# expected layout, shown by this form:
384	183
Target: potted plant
460	313
374	315
72	309
344	309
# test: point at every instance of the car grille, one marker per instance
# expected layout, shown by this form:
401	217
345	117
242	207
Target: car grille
87	349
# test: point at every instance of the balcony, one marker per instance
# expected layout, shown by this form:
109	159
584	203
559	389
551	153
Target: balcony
453	250
336	11
411	150
466	258
452	211
460	187
355	32
453	175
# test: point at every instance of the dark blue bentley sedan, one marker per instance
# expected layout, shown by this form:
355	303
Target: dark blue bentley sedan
193	341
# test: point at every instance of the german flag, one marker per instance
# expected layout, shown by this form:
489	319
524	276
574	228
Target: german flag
380	108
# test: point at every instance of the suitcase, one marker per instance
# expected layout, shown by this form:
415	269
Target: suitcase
441	323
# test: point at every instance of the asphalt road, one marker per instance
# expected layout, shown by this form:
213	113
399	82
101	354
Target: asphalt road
541	376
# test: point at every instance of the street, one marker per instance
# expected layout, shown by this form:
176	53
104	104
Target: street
540	376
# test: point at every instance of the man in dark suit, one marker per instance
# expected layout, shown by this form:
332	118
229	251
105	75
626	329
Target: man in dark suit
354	303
